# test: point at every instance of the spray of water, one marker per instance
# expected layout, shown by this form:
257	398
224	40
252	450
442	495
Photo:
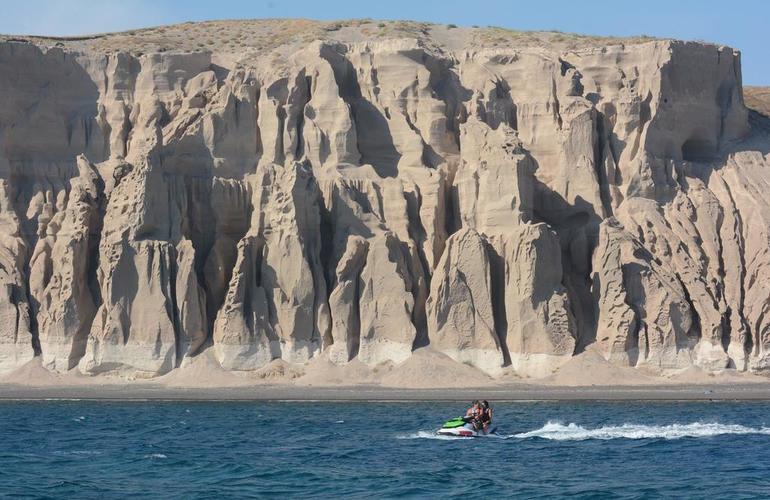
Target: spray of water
573	432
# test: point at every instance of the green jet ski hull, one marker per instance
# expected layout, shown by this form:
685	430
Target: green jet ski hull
454	423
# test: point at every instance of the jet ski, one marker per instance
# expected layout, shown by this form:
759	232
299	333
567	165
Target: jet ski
462	427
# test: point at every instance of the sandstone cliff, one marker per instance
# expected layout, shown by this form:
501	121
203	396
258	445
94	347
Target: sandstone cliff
359	190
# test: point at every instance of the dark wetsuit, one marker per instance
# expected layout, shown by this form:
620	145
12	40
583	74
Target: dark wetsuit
486	417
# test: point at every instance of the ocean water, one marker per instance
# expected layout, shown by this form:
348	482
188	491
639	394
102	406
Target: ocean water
187	450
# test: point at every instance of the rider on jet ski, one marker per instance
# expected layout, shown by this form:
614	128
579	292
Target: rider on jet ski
473	415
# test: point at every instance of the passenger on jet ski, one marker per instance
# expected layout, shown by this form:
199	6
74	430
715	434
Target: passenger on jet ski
486	415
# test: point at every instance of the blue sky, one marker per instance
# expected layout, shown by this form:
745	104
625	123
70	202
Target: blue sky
744	24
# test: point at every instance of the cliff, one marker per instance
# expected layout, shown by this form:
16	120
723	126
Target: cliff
353	191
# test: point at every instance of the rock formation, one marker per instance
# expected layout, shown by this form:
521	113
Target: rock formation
360	194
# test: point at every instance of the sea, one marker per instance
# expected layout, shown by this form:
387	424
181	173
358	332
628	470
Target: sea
222	450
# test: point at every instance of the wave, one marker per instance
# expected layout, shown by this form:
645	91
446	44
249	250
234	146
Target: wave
428	435
433	435
573	432
77	452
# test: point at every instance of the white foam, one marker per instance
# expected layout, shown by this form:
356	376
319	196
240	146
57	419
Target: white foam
433	435
78	452
156	455
573	432
428	435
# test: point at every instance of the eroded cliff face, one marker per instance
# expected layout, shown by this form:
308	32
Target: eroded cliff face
507	206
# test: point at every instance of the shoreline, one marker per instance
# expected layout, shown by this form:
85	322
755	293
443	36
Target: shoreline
363	393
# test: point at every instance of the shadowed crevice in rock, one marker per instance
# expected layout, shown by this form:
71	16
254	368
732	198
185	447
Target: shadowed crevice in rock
374	140
231	210
497	282
577	227
636	340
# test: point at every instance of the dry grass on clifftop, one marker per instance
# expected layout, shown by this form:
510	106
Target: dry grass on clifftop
249	38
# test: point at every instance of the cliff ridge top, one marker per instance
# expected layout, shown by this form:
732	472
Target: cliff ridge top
247	37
